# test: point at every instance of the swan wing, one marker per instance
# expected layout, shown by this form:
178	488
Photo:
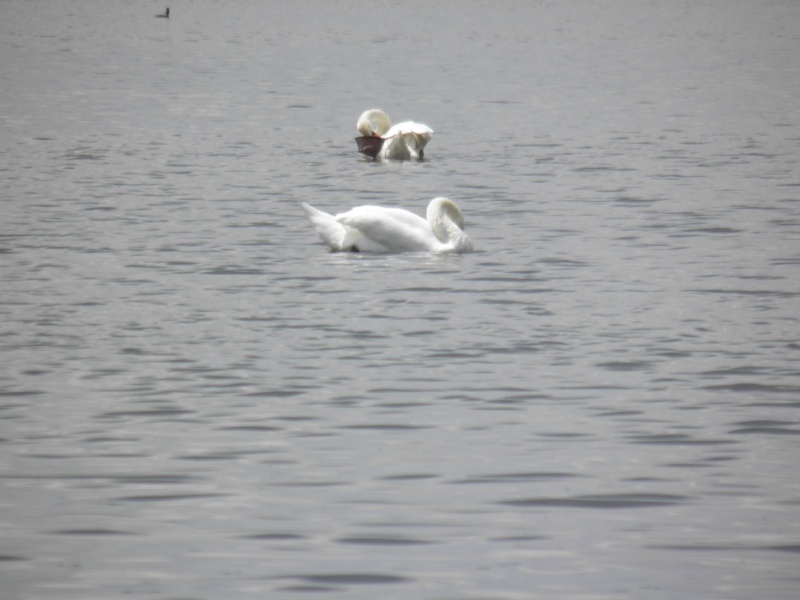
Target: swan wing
393	229
405	217
416	135
410	127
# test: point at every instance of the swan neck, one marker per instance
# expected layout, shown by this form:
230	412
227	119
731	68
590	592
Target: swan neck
374	121
447	223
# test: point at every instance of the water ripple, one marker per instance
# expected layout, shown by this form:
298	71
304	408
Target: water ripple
607	501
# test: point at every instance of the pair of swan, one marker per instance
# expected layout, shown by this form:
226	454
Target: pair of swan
379	139
382	229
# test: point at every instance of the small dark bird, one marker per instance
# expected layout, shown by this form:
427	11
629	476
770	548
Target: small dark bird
165	15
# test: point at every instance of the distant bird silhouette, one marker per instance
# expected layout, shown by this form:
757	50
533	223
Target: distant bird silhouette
165	15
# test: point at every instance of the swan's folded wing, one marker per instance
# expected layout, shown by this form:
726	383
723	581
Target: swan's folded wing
411	127
415	134
406	218
395	229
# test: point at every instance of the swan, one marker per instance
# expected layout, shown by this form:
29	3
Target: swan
165	15
379	139
381	229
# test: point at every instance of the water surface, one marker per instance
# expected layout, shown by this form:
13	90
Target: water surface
198	400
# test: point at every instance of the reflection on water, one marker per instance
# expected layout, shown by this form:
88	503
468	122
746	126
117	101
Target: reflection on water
198	400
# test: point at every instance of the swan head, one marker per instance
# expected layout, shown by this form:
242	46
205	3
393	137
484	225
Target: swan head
373	123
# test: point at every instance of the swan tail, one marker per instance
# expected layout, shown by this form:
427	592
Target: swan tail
328	229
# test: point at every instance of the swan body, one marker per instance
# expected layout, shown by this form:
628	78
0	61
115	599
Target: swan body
382	229
164	15
403	141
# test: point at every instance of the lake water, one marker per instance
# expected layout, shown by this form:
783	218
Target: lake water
199	401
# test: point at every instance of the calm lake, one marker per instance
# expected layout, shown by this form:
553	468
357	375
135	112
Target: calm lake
199	401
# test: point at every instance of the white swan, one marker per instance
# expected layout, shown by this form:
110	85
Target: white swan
381	229
380	140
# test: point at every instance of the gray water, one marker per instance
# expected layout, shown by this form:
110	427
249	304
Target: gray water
199	401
